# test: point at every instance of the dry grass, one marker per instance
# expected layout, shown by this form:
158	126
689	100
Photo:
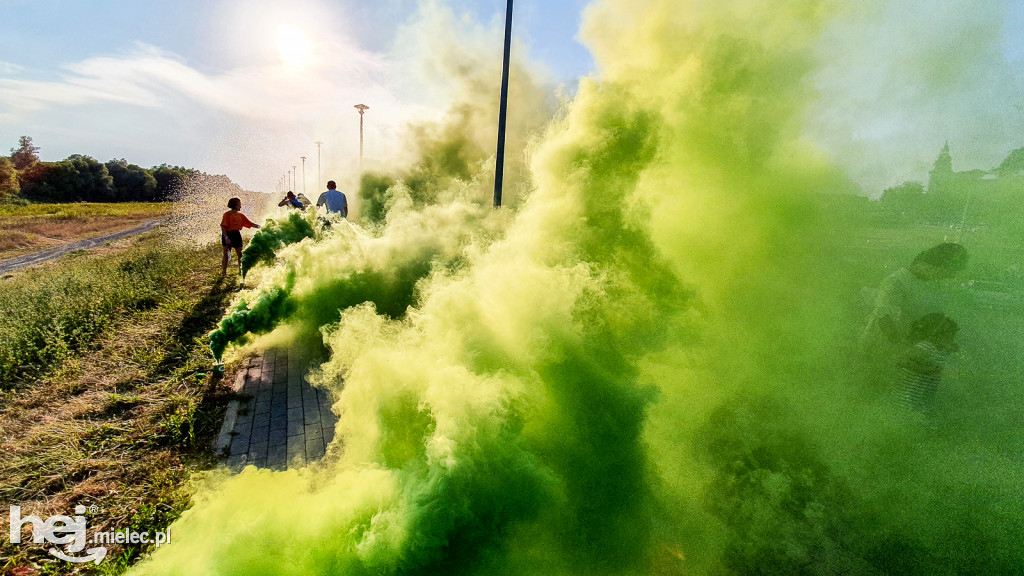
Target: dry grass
121	427
11	240
27	229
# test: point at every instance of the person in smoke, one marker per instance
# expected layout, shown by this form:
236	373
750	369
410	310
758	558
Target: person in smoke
909	294
335	201
291	200
920	366
231	225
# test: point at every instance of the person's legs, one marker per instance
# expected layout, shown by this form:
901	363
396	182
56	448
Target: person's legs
224	262
238	255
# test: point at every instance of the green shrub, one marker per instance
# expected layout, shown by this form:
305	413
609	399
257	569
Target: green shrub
50	314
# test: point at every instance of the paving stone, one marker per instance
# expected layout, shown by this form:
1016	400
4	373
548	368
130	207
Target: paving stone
314	448
240	444
296	446
259	435
258	451
261	420
313	431
295	427
278	422
284	421
311	414
236	461
243	427
245	414
277	456
278	437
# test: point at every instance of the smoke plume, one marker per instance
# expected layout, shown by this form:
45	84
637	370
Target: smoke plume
649	367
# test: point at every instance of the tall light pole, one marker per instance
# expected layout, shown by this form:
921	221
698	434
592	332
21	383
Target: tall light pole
303	174
290	181
499	164
295	177
318	185
362	109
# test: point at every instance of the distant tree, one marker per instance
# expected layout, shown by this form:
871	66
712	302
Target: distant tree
75	179
36	182
8	178
1013	165
131	183
169	179
25	155
906	202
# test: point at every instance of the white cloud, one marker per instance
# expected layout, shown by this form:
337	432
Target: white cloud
900	78
255	121
9	68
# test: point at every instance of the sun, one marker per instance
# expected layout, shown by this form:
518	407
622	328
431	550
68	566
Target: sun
293	46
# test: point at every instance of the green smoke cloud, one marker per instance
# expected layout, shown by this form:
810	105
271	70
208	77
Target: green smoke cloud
650	367
273	236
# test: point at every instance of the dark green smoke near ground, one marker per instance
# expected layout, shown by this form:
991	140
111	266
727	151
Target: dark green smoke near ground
273	236
382	267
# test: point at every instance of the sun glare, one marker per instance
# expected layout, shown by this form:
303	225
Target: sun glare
293	46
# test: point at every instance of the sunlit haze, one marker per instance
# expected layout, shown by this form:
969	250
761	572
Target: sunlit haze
293	46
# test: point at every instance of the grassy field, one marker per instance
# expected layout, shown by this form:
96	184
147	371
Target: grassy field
33	227
108	397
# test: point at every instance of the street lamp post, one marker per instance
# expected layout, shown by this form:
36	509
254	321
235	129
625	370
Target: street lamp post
499	165
295	177
362	109
318	185
303	174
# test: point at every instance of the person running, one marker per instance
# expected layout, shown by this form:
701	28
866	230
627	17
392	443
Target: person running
291	200
335	201
920	367
231	232
911	293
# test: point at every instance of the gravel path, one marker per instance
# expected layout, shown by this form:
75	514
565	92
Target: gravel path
13	264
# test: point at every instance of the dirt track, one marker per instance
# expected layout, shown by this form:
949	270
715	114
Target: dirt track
13	264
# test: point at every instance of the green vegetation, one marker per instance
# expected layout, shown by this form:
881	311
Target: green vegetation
26	228
115	403
48	315
973	198
83	210
81	178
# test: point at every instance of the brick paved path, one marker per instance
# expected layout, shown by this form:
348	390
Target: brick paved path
283	421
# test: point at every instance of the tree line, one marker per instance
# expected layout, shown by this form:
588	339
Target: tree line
80	178
972	197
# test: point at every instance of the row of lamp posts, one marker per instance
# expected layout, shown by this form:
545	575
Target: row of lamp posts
502	110
289	180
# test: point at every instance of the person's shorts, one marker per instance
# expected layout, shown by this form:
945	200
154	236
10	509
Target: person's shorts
233	239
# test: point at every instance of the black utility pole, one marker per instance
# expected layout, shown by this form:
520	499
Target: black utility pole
499	165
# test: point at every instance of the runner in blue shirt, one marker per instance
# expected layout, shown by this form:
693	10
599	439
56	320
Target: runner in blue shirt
335	201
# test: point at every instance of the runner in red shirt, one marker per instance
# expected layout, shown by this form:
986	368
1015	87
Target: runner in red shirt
231	233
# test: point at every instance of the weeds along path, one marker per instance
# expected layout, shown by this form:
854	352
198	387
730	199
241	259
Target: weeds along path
13	264
120	422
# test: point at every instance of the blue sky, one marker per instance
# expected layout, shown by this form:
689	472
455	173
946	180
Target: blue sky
245	87
96	77
40	35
